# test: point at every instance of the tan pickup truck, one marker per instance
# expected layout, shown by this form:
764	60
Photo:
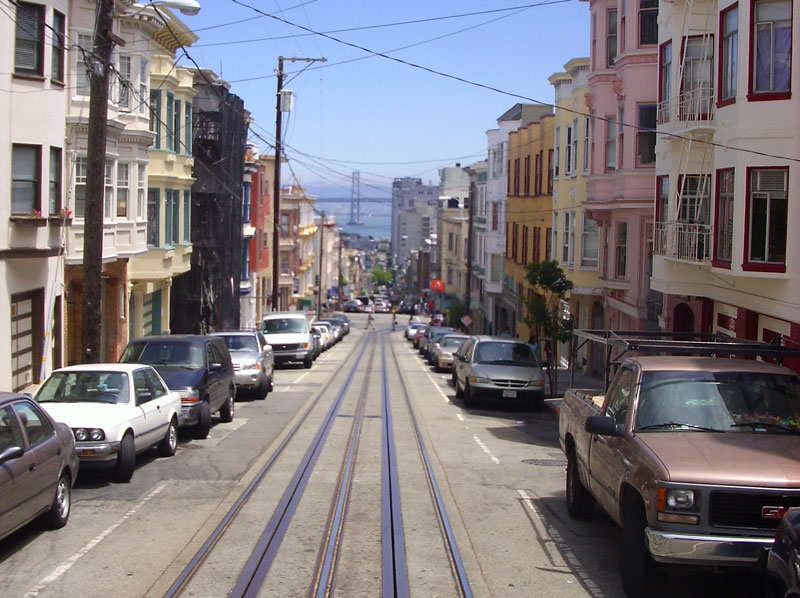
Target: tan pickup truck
697	458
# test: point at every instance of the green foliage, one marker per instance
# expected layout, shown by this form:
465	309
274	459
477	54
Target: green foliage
381	276
456	311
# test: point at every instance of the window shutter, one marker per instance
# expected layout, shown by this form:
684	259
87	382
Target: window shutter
26	52
770	180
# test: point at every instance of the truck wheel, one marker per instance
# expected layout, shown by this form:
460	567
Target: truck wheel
308	361
203	425
580	503
638	571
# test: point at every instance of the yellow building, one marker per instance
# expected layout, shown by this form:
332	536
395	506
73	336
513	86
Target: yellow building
575	237
169	196
529	210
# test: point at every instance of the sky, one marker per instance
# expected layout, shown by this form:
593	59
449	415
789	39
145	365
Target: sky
425	105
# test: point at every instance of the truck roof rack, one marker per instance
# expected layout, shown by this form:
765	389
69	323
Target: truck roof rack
620	342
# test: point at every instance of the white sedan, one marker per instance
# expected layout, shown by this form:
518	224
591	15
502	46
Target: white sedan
115	410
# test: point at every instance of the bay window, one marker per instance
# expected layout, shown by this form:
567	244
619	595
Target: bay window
611	37
767	203
729	53
771	47
590	248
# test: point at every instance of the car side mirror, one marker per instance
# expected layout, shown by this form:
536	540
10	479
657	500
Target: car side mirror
603	425
11	453
215	367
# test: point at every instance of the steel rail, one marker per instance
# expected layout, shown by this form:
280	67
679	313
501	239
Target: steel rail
186	575
324	578
257	566
454	557
394	567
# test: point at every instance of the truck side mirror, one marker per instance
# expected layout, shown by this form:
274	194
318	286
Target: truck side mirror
603	425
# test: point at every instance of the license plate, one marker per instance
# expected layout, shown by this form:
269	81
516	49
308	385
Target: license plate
509	394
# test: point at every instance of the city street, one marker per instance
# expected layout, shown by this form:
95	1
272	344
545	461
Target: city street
486	517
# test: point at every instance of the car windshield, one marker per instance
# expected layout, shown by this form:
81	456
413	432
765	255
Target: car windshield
504	353
85	387
165	353
762	402
453	341
284	325
240	343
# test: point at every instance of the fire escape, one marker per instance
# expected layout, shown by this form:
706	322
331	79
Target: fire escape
683	227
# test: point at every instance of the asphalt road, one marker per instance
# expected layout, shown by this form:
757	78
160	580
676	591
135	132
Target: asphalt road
500	473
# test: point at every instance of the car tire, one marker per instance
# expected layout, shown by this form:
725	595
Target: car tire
58	514
580	502
307	362
203	425
126	460
228	409
459	392
469	396
168	445
263	388
639	573
271	386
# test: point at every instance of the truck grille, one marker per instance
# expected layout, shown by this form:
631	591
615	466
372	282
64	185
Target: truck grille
286	347
503	383
744	509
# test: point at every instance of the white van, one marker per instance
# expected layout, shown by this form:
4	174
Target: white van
289	334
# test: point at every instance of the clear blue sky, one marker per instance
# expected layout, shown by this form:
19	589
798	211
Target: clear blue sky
375	115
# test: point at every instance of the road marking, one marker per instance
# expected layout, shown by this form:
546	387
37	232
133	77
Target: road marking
287	389
439	388
66	565
461	417
486	449
563	553
300	378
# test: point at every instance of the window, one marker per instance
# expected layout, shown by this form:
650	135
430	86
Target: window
170	123
153	217
82	72
141	178
54	187
550	168
285	225
664	78
552	252
771	47
547	242
524	245
516	176
176	128
514	241
557	152
187	130
284	263
168	216
568	239
108	189
123	189
155	116
621	137
766	215
723	229
611	143
568	151
176	218
586	146
80	187
187	217
25	179
537	174
729	53
57	58
619	396
526	186
537	240
697	89
662	198
590	236
144	81
574	148
646	135
694	198
611	37
648	22
29	42
125	69
621	255
495	217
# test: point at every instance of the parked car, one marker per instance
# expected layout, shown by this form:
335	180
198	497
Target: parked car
433	336
38	465
491	367
115	410
417	338
198	367
353	306
316	342
381	306
342	320
443	350
412	328
290	337
326	335
783	559
336	331
253	361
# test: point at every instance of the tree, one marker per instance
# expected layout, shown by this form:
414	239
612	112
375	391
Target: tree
381	276
543	315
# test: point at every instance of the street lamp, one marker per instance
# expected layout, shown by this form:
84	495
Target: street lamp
103	45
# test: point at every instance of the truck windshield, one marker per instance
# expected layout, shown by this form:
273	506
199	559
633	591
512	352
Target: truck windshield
284	326
719	401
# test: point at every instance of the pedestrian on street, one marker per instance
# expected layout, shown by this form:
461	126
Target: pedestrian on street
370	320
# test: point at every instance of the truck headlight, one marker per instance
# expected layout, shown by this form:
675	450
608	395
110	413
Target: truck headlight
676	499
479	380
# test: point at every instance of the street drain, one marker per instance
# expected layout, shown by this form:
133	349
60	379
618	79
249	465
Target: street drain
546	462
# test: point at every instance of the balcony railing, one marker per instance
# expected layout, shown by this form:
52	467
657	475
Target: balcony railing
691	106
686	241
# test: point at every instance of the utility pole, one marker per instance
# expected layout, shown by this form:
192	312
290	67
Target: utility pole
339	284
276	185
471	220
321	257
91	316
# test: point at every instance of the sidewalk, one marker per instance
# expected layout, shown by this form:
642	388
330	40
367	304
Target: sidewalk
579	381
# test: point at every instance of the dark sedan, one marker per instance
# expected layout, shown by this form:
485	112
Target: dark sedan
38	465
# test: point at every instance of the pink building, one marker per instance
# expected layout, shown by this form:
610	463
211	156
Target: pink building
623	96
